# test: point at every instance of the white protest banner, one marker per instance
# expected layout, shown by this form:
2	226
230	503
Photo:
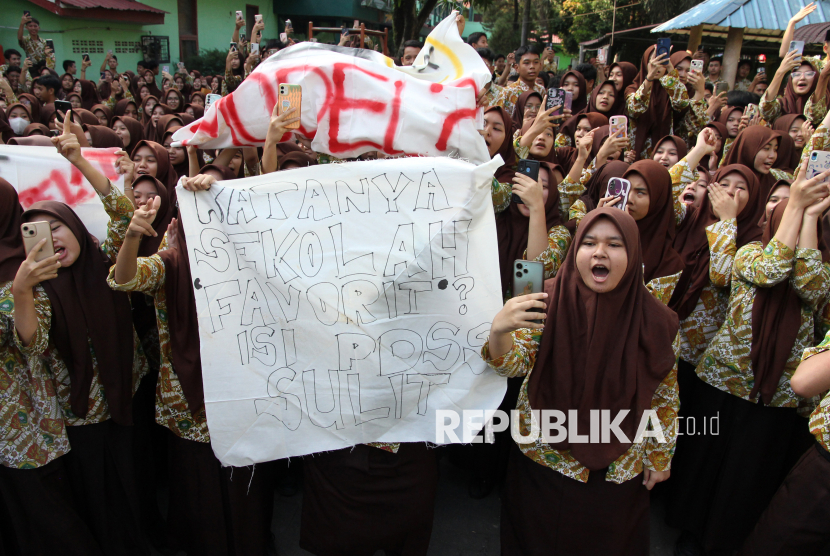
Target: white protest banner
342	304
41	174
356	100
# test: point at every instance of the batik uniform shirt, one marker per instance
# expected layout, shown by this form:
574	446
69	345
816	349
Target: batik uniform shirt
36	50
509	95
726	364
120	211
693	121
550	66
820	418
727	143
648	454
818	142
780	174
636	104
742	85
815	111
562	140
559	240
172	410
32	431
231	82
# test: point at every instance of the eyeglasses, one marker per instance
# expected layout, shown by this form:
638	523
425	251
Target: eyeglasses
800	74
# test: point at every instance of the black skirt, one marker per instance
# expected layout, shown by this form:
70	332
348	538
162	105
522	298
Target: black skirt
544	513
721	483
100	470
797	521
40	517
215	510
359	500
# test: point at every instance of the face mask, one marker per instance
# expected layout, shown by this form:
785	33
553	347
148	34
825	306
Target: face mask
18	125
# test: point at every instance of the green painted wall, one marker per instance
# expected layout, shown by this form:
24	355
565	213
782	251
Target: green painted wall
215	27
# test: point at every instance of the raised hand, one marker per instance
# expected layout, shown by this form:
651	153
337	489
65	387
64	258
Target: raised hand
142	221
724	206
529	191
67	143
202	182
517	313
277	128
32	272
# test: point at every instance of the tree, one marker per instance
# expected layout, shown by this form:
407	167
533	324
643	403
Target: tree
407	20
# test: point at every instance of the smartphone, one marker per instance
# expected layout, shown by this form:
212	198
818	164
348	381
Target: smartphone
62	106
697	65
602	55
550	46
27	13
700	48
344	32
721	88
528	277
819	162
210	99
165	69
180	65
663	47
283	37
356	24
238	15
85	57
233	46
569	98
258	18
54	132
762	70
556	97
751	110
33	232
109	52
254	48
618	126
51	44
290	96
530	168
103	75
798	46
619	187
241	37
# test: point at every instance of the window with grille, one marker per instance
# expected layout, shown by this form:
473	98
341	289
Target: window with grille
87	47
127	47
156	48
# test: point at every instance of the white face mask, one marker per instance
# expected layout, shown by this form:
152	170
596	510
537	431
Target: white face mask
18	125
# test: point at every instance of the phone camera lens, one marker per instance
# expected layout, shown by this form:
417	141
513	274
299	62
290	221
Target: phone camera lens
518	275
525	271
518	265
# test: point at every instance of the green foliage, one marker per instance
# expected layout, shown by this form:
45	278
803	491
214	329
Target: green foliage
208	61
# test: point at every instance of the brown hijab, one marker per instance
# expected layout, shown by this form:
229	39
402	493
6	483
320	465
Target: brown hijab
150	245
297	157
602	351
783	124
106	110
657	120
121	106
749	143
505	172
594	118
724	117
724	134
600	137
617	107
693	245
5	129
36	129
227	172
89	94
512	228
165	122
11	238
183	167
85	116
103	137
679	143
163	173
182	320
629	72
34	105
776	318
597	186
580	100
47	113
657	228
519	109
134	127
793	103
177	93
85	309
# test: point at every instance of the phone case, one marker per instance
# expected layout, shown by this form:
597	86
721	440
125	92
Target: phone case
618	126
697	65
291	96
556	97
663	47
254	48
33	232
752	109
798	46
618	187
165	69
530	168
528	277
210	99
569	98
819	162
721	88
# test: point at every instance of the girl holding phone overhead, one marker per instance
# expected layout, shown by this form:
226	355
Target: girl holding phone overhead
605	486
92	351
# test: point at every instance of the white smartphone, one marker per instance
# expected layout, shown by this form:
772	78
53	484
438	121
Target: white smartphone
254	48
697	65
210	99
619	187
798	46
238	15
819	162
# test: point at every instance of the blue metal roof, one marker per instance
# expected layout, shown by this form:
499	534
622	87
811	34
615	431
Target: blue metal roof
771	15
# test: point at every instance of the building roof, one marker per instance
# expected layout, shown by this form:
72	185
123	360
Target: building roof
104	10
600	41
812	34
771	15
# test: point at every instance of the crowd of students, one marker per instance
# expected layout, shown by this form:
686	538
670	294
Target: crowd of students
706	299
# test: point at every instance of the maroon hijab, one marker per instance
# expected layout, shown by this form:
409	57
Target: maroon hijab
134	127
11	238
602	351
617	107
657	120
164	172
776	318
783	124
793	103
297	157
182	320
85	309
679	144
512	229
519	110
746	146
103	137
121	106
693	245
594	118
580	100
106	110
657	228
89	94
150	245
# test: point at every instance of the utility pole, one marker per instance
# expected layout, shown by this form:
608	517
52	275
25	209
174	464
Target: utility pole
525	22
613	22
